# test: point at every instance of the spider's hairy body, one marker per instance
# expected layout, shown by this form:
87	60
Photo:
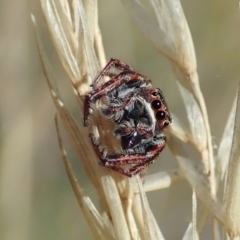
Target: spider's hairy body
139	112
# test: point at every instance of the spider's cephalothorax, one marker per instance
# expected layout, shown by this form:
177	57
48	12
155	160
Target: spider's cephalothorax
140	113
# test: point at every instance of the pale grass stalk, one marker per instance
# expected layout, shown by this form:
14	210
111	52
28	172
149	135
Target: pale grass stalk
98	228
162	180
232	190
150	226
224	149
125	213
194	216
191	232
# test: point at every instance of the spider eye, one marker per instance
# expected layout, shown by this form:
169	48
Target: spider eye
160	115
166	123
156	104
154	94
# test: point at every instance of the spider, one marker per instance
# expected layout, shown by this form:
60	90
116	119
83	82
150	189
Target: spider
139	112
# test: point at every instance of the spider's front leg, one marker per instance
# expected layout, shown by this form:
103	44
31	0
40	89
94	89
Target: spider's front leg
142	166
141	160
113	63
131	135
132	171
126	128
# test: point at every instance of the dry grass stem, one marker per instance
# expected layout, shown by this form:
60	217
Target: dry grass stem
94	219
125	212
232	190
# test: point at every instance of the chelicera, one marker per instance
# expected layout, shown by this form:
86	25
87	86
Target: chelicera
139	112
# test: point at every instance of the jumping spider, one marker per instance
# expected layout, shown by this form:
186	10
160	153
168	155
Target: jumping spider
139	112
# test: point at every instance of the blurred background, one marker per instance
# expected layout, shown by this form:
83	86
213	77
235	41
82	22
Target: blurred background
36	199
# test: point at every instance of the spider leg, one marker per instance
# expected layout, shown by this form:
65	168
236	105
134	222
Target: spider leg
107	87
141	160
112	63
137	169
126	128
144	129
132	171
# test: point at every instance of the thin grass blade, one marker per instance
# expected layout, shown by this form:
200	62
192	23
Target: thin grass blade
115	207
95	221
225	145
196	179
161	180
77	136
152	230
232	191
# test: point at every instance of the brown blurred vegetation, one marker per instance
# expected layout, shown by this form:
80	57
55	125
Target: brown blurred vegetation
36	200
